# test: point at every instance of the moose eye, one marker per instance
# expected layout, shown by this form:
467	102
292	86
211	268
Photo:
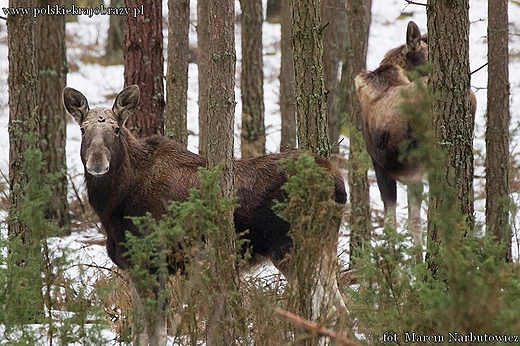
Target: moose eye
117	130
82	131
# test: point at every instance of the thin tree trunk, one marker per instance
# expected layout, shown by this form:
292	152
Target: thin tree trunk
498	203
287	83
252	137
52	72
358	23
176	117
144	65
115	36
311	104
203	66
334	37
451	180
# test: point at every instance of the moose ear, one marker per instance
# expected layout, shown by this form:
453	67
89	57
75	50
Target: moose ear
125	103
76	104
413	37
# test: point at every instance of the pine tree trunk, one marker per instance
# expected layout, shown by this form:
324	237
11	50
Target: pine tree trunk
498	204
176	117
252	137
24	248
222	326
334	37
287	83
52	73
358	21
451	180
203	66
144	65
311	104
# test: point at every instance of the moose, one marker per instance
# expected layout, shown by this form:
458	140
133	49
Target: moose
387	130
126	176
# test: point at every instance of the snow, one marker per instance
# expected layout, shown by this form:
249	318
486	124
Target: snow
101	83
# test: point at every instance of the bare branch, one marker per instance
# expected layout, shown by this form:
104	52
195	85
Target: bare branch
311	326
410	2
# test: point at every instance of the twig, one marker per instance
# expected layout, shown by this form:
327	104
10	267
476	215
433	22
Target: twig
313	327
410	2
480	68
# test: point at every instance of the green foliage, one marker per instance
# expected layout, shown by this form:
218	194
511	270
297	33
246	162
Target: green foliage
33	276
314	217
196	237
478	293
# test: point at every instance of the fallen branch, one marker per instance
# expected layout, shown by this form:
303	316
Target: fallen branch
313	327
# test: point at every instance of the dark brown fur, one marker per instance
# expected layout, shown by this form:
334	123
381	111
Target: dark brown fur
145	174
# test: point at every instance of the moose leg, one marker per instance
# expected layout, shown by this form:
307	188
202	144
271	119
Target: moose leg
388	189
414	192
149	326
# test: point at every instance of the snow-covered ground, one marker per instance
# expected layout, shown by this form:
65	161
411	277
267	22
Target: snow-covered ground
388	30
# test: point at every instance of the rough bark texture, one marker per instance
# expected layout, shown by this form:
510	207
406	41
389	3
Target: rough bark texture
311	104
220	119
451	178
334	38
203	66
52	72
497	127
22	81
349	109
144	65
287	100
24	246
252	136
175	119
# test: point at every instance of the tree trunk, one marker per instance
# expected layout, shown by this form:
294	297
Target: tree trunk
498	204
52	72
115	36
222	326
451	179
349	108
334	37
176	117
203	66
273	11
287	83
24	246
252	137
311	104
144	64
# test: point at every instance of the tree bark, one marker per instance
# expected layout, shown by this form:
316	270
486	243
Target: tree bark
52	73
144	65
334	37
287	82
176	117
498	204
451	177
24	246
203	58
349	109
219	150
311	104
252	136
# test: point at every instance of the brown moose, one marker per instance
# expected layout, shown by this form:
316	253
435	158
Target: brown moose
387	130
126	176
